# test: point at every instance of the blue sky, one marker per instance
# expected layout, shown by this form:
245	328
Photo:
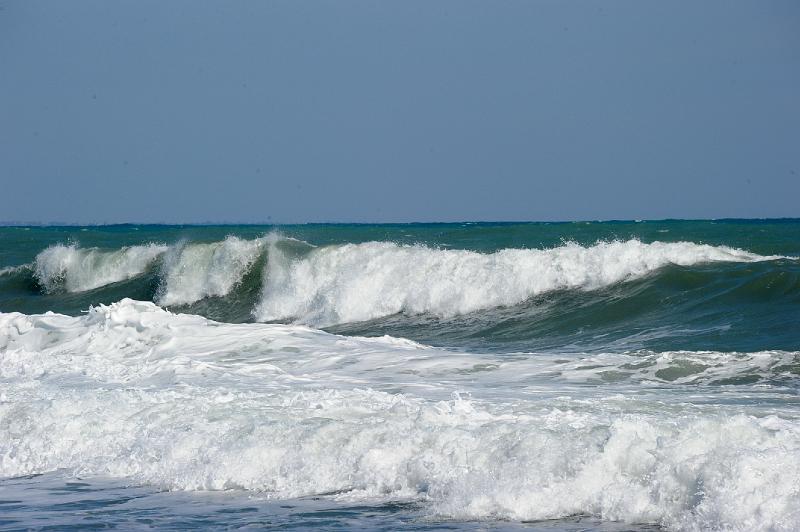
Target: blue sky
302	111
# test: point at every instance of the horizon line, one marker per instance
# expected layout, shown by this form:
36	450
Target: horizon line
208	223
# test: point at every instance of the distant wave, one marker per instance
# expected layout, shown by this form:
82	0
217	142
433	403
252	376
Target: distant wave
357	282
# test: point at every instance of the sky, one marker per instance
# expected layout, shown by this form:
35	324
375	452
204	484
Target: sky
398	111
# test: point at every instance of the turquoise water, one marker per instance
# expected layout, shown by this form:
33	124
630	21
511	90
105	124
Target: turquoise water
559	376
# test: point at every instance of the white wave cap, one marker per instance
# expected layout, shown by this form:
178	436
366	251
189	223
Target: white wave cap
196	271
132	391
8	270
77	269
357	282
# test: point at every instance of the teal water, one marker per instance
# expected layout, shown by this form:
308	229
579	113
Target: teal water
728	306
558	376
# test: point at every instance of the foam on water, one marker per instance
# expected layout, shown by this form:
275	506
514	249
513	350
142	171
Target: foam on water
177	401
196	271
357	282
75	269
8	270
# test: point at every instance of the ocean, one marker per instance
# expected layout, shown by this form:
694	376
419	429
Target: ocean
482	376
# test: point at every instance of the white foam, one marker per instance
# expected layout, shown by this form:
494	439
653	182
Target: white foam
196	271
181	402
7	270
358	282
77	269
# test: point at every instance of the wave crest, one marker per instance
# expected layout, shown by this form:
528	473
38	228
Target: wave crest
358	282
195	271
75	269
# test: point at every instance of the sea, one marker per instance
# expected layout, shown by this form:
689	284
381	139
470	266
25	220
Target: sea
613	376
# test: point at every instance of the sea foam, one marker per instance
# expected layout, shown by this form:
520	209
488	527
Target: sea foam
132	391
357	282
10	270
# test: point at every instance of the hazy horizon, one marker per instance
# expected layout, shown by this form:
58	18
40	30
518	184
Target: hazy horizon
287	112
209	223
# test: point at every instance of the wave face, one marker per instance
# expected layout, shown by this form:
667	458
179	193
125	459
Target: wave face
189	273
359	282
196	271
73	269
177	401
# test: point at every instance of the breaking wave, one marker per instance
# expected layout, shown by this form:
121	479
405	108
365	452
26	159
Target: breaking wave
286	280
187	272
74	269
194	272
177	401
358	282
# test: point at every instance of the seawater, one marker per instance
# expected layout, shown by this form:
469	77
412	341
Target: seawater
564	376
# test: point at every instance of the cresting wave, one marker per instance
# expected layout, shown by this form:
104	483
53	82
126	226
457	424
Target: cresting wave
188	272
178	401
194	272
74	269
357	282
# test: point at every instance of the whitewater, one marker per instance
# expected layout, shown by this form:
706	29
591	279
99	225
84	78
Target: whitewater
616	377
358	282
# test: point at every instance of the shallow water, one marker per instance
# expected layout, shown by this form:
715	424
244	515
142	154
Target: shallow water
63	502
